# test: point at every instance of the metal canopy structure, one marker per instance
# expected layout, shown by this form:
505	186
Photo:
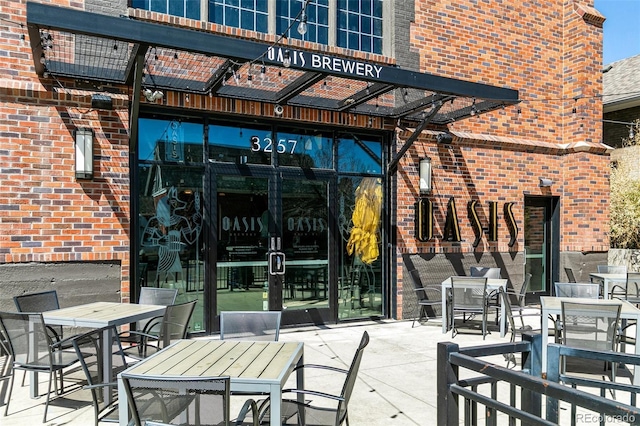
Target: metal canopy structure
102	49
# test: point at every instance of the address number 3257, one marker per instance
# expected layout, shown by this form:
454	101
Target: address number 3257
283	146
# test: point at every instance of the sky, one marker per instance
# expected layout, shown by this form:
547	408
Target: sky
621	29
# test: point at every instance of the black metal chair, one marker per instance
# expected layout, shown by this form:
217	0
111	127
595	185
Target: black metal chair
295	412
163	400
40	302
429	297
469	297
173	325
570	275
88	347
250	325
32	349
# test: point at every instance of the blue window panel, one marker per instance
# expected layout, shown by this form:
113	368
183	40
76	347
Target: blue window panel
193	9
353	6
233	3
176	8
262	23
158	6
323	35
354	41
216	14
247	20
262	5
354	22
365	25
365	43
365	7
377	8
377	27
377	45
140	4
249	4
342	39
231	17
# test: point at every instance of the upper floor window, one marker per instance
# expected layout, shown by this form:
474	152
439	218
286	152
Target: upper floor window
350	24
360	25
246	14
317	20
185	8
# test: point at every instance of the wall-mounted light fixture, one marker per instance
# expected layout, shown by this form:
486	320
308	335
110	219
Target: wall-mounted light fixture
545	183
84	153
425	175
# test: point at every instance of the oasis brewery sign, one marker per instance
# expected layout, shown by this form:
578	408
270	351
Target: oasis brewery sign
324	63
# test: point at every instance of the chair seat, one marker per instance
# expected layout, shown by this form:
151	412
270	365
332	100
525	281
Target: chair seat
61	359
291	410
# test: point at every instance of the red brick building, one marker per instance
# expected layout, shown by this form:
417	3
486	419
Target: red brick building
212	158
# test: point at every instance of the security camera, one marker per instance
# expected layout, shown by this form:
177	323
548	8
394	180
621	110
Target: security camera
278	110
545	183
152	95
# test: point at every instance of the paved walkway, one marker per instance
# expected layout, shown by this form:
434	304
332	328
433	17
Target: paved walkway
396	384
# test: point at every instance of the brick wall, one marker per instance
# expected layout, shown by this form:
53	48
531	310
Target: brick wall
550	50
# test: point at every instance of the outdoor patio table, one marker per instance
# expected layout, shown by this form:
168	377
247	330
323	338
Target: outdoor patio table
98	315
606	281
493	284
553	306
253	367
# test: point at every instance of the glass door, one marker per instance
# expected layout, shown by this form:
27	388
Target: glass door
262	210
541	237
243	229
305	243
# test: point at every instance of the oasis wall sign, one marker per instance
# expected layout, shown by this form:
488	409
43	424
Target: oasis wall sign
451	230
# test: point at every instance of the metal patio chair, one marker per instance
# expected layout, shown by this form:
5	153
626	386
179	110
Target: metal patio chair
155	296
173	325
630	290
88	347
32	349
250	325
591	326
469	297
481	271
570	275
588	290
163	400
295	412
40	302
429	297
612	269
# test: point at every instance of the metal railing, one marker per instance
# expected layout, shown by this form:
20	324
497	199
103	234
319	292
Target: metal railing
482	389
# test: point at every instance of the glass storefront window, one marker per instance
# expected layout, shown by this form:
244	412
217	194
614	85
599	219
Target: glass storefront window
241	145
312	150
185	8
172	141
359	156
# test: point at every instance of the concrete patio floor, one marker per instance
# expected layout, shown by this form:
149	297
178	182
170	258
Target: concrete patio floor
396	384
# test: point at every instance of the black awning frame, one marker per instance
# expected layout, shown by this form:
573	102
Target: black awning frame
103	49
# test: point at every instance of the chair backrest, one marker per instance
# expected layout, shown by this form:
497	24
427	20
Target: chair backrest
612	269
250	325
480	271
88	347
175	322
177	400
157	296
523	290
588	290
633	286
590	325
350	380
468	293
570	275
23	330
37	302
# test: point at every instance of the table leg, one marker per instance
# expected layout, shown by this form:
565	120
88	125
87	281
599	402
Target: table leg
33	376
503	322
636	369
107	365
545	341
123	404
276	405
300	385
445	317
